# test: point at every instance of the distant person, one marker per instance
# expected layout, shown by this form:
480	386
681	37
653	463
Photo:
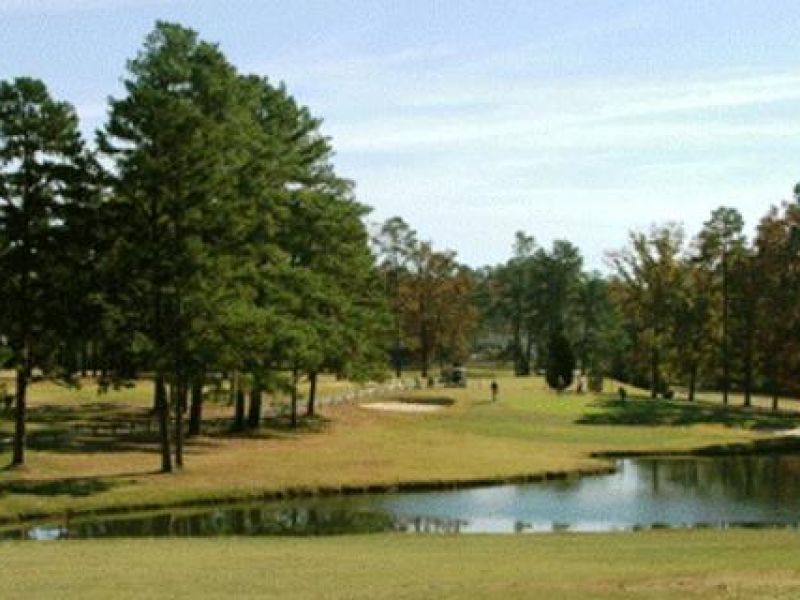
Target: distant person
495	389
622	394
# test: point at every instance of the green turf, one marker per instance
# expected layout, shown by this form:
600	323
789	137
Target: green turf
668	564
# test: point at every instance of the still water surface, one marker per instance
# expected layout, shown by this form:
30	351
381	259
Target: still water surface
758	491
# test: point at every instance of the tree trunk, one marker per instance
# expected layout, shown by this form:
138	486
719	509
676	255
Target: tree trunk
254	412
748	367
312	394
179	401
158	397
517	348
238	419
726	377
692	382
84	360
748	382
233	380
294	397
398	358
654	383
93	358
772	377
20	415
160	401
196	410
526	365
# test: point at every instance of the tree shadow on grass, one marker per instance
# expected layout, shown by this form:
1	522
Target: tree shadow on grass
94	412
648	412
67	442
98	413
277	427
92	428
75	487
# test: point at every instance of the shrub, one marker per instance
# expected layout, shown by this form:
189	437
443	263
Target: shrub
560	367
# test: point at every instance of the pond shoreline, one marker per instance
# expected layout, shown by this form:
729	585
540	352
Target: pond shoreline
761	446
315	492
775	445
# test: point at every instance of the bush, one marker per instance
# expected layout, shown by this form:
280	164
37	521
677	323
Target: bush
560	367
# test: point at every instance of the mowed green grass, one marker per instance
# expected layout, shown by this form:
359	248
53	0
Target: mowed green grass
530	430
662	564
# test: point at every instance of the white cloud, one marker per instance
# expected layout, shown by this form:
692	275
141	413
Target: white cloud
389	103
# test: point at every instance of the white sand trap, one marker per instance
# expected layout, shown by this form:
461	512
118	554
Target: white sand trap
406	407
789	432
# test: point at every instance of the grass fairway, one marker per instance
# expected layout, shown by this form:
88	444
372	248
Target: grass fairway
668	564
530	430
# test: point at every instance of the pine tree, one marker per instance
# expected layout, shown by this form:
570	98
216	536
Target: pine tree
177	138
41	171
721	241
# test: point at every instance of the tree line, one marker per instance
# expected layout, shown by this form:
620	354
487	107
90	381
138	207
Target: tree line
207	232
714	312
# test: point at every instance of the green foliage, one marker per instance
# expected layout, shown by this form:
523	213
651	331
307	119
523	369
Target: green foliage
535	293
40	173
600	336
646	290
245	251
560	364
44	192
718	314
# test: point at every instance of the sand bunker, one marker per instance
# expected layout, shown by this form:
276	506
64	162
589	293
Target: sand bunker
406	407
789	432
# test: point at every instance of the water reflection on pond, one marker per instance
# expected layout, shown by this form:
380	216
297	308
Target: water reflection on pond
643	493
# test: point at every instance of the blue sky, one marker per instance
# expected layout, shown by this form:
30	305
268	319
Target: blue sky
473	119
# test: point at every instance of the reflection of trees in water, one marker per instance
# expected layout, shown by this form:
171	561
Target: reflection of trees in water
247	521
765	478
252	521
430	525
13	534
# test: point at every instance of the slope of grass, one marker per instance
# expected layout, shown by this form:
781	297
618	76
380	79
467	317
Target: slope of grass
670	564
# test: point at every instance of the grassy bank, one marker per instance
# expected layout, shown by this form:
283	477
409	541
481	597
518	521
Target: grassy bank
529	431
668	564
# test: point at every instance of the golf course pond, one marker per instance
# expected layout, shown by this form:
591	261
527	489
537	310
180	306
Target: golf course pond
643	493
